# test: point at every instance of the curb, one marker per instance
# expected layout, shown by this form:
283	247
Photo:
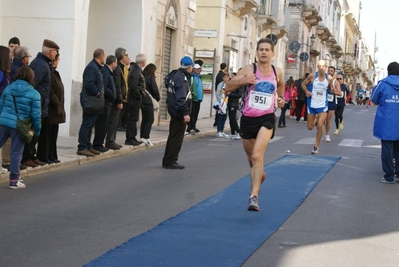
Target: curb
76	160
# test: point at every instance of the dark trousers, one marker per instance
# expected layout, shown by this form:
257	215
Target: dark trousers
30	150
232	112
43	144
147	119
134	114
339	111
390	151
175	141
100	126
281	120
123	115
85	131
112	125
299	107
221	122
195	109
52	154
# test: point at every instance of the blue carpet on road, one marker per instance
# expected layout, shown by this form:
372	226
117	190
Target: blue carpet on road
220	231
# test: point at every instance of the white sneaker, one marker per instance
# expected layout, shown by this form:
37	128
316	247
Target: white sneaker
328	138
185	133
18	185
147	142
220	134
237	136
302	119
3	170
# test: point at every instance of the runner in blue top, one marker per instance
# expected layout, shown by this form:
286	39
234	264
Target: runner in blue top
315	87
332	94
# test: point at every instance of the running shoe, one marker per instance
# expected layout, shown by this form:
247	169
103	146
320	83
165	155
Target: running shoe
336	132
17	185
253	203
328	138
315	151
387	182
341	126
220	134
3	170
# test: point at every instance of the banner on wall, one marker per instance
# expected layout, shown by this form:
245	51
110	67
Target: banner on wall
207	77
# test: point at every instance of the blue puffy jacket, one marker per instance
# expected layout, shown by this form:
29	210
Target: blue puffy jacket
386	96
28	105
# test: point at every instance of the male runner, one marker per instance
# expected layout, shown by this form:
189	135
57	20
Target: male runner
315	87
258	120
332	94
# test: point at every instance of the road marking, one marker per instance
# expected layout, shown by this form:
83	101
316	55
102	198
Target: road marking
351	142
306	141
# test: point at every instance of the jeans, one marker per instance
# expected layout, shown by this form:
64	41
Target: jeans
85	131
17	147
281	121
221	120
390	151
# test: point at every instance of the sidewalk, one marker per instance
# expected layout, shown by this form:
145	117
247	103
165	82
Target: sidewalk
67	147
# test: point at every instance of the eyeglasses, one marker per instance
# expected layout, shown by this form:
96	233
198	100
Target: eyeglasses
339	78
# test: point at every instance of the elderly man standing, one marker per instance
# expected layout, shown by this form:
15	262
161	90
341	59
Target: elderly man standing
93	86
41	66
136	84
179	108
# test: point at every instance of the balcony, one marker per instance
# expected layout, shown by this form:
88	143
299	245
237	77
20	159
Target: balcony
268	15
331	41
314	53
244	7
295	3
323	33
310	16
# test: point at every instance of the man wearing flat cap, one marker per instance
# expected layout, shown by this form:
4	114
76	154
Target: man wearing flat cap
42	67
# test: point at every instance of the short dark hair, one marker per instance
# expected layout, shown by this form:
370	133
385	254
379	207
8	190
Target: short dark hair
14	40
98	53
110	59
223	66
25	73
393	68
267	41
199	62
331	67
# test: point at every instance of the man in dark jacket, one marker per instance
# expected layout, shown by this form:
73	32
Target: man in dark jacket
110	96
42	68
92	85
21	58
136	84
179	108
301	100
121	73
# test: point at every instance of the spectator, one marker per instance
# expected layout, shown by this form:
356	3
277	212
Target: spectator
27	104
385	95
21	58
121	73
219	79
197	93
136	84
147	108
92	85
42	68
5	63
57	112
221	104
287	98
109	97
12	44
179	105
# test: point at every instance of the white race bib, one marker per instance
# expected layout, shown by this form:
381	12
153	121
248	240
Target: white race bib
330	97
319	93
260	100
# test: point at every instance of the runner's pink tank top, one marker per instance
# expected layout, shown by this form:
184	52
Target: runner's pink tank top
260	98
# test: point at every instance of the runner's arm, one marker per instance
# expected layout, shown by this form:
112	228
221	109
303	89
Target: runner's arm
305	83
244	76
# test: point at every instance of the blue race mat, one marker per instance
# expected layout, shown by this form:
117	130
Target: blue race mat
220	231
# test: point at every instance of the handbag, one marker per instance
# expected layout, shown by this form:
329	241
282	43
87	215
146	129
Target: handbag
92	104
24	127
154	101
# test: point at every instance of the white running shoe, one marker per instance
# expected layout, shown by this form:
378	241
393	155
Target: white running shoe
336	132
147	142
328	138
236	136
3	170
220	134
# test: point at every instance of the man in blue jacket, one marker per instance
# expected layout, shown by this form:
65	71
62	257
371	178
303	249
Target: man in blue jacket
92	85
179	108
386	96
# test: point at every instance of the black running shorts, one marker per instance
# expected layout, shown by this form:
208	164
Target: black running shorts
250	126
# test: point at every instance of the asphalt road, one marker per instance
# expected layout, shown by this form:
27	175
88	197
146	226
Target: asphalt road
72	216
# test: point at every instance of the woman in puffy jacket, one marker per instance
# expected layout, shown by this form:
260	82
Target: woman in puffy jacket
27	101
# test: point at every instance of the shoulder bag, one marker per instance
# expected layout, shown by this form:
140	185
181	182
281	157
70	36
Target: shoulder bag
154	102
93	104
24	127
